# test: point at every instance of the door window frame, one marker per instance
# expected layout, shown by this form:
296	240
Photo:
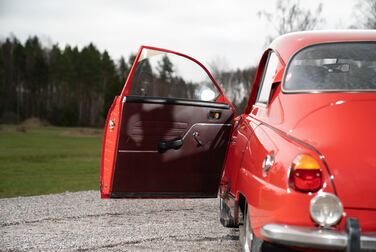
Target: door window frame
128	84
267	86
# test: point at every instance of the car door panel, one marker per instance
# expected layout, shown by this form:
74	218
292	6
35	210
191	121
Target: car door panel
190	170
167	145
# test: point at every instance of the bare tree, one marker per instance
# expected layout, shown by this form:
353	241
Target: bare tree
236	84
217	66
289	16
365	11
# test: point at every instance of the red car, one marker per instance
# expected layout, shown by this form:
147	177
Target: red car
297	170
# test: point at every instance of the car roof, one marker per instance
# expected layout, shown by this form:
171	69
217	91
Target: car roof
287	45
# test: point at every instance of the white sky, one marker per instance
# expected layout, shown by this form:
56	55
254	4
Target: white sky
210	30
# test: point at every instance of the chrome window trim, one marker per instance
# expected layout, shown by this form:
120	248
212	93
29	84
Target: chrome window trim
261	104
261	84
271	52
172	101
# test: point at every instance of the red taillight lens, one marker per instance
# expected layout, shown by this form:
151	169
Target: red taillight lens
305	174
306	180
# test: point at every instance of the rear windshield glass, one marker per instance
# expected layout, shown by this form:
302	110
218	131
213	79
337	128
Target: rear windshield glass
333	67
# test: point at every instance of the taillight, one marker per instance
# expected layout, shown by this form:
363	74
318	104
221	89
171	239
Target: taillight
305	174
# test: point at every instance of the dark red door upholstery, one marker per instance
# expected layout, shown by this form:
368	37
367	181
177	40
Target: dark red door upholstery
194	170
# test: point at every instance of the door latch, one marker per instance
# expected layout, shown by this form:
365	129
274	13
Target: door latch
215	115
112	124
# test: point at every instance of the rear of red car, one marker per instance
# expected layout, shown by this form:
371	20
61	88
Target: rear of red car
330	92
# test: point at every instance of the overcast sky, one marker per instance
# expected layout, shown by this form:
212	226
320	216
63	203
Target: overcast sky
226	31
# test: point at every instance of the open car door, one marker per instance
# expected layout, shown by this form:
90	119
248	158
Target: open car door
167	134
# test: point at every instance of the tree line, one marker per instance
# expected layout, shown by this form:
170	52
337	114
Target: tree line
75	87
66	87
71	86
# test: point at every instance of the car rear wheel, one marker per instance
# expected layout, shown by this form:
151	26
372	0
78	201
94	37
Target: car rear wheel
224	214
248	241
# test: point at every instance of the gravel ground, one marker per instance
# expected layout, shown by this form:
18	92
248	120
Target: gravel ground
82	221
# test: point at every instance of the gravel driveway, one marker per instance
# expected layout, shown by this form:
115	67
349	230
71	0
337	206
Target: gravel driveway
82	221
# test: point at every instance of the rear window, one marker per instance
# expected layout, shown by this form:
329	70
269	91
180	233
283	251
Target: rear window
333	67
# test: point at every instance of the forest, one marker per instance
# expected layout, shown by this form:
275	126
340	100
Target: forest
75	87
66	87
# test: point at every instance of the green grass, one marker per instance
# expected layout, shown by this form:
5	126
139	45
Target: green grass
48	160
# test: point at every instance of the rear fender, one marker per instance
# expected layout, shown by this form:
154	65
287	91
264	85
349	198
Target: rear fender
269	196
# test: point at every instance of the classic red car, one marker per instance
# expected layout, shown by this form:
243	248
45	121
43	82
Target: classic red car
295	171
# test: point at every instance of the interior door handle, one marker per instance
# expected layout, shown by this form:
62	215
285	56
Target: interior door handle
163	146
195	137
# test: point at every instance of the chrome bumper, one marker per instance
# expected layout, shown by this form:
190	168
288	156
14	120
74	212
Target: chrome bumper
315	237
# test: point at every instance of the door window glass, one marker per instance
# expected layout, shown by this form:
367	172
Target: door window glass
162	74
268	77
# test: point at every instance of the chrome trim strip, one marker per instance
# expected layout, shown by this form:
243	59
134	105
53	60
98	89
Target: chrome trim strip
136	151
304	237
368	242
322	157
314	237
176	101
205	124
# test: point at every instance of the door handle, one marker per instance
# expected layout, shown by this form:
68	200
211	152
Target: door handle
163	146
195	137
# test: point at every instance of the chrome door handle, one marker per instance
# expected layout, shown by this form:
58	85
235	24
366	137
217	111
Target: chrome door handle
195	137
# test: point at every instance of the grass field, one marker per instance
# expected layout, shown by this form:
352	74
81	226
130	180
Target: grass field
46	160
